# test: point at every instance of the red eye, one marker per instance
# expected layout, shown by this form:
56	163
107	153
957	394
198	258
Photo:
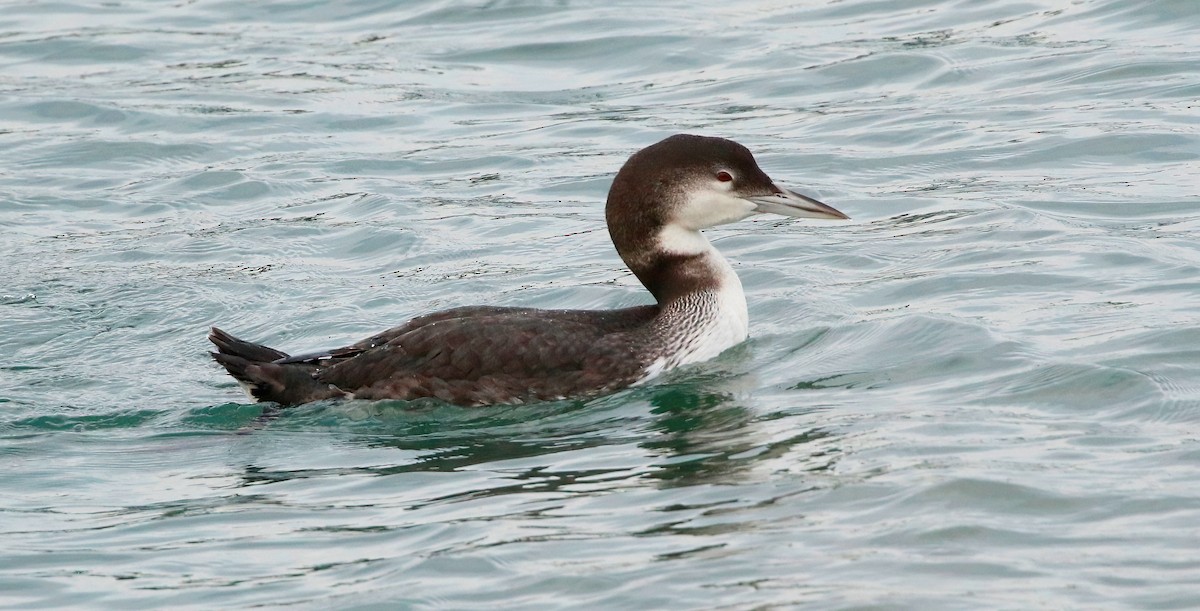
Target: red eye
724	176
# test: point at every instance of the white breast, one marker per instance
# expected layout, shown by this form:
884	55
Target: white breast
701	326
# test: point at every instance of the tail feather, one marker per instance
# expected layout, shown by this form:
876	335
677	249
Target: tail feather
250	364
229	344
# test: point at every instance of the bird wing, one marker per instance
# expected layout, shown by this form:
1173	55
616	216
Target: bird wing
493	353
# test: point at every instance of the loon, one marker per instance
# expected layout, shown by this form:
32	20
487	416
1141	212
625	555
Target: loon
481	355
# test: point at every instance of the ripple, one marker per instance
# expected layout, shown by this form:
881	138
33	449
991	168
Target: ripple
983	388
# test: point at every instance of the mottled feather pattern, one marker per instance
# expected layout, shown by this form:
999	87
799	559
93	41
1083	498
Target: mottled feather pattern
467	356
482	356
492	357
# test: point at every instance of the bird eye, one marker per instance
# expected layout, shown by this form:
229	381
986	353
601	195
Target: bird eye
724	176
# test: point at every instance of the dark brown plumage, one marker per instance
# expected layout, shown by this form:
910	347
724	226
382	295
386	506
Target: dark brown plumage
468	356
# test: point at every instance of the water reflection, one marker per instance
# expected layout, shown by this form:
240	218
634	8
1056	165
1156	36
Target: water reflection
671	435
709	437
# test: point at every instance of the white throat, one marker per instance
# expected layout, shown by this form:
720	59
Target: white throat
679	240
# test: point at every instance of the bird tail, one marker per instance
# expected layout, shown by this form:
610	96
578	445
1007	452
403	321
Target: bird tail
251	365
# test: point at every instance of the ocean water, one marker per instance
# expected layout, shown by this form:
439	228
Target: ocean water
981	392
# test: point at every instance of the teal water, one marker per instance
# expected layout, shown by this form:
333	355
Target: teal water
981	392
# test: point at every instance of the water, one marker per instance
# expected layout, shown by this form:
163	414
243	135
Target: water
982	392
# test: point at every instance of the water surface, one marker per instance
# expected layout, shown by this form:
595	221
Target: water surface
981	392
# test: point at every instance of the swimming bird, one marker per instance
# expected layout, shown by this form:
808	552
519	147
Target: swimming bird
660	200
